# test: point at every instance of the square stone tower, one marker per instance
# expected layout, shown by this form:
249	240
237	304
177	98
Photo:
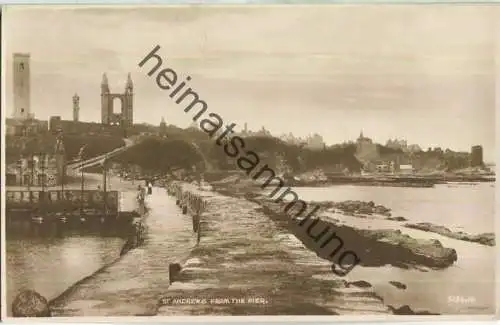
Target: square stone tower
22	109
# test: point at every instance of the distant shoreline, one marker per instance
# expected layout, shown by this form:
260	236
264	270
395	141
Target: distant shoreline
426	181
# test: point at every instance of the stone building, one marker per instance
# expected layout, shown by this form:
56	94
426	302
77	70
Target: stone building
76	108
126	116
397	144
366	150
26	127
163	127
37	170
476	157
315	142
21	86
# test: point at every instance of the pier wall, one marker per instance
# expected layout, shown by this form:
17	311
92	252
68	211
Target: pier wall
190	200
246	264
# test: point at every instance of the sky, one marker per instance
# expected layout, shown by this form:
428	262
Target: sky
424	73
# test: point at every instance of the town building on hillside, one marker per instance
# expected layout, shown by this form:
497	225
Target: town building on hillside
163	127
366	150
476	156
413	148
405	169
402	145
37	170
194	125
397	144
291	139
57	125
315	142
263	132
32	171
25	127
244	132
386	167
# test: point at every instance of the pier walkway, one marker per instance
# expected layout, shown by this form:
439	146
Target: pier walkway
131	286
245	264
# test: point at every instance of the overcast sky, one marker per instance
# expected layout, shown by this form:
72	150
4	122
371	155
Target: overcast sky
423	73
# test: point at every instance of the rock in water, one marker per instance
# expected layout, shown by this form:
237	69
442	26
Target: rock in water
30	303
406	310
398	284
360	284
173	271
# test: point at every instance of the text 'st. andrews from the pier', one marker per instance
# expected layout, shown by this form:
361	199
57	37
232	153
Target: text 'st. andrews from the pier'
247	160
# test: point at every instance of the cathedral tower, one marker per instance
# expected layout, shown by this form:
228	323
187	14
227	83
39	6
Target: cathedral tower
126	116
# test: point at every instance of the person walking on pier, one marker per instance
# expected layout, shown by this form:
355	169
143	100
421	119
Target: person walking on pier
141	193
150	187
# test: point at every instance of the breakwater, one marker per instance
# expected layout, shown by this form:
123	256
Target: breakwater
245	264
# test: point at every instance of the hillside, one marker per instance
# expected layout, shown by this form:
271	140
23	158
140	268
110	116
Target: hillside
161	155
183	151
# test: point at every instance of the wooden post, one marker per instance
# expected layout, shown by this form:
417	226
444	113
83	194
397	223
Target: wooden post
20	165
30	180
81	199
62	182
105	187
42	167
82	151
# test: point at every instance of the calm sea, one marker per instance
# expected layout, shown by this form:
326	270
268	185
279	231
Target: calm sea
51	265
467	287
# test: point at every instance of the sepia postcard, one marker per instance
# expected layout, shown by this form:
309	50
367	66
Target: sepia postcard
300	162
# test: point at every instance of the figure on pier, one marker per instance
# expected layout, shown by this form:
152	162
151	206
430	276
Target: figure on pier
150	187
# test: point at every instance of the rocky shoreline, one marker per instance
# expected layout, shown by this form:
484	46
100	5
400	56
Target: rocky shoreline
422	181
355	208
373	247
484	239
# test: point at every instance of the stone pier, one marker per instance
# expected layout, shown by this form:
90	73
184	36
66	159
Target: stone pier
245	264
